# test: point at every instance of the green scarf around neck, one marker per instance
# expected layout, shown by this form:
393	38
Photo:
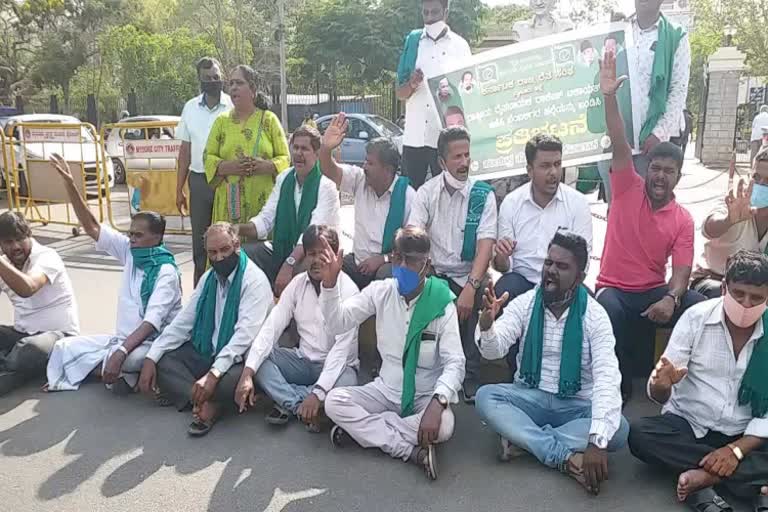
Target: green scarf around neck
396	214
570	353
407	64
754	385
150	260
288	224
431	304
661	74
205	312
477	197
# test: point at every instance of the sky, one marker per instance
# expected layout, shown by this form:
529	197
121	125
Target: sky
625	6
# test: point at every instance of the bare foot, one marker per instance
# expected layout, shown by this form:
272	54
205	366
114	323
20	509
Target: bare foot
764	490
576	470
694	480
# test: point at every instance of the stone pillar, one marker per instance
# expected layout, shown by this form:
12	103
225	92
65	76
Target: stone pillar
724	69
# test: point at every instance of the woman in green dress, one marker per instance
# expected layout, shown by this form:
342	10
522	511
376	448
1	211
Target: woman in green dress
246	150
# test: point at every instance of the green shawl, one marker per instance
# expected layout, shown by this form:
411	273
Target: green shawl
431	304
288	225
205	312
477	198
754	386
661	74
150	259
407	64
396	213
570	354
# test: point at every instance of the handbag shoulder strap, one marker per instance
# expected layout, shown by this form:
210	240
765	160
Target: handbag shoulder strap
258	134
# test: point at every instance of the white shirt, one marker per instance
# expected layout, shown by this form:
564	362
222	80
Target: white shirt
600	376
195	125
53	307
640	71
301	303
163	304
370	211
444	217
422	120
533	227
708	397
760	122
440	369
326	212
255	302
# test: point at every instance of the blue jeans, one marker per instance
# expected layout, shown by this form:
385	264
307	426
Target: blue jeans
604	167
548	427
287	378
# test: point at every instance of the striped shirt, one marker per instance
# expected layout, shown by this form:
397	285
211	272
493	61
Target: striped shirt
600	377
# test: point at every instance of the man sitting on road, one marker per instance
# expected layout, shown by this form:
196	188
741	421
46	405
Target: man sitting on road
712	383
298	379
302	196
382	201
405	410
645	227
198	357
459	215
740	223
44	308
565	404
149	298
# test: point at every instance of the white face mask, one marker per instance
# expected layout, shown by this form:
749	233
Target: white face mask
453	182
434	30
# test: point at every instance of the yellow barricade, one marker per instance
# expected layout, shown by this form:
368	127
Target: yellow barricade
5	160
34	187
149	155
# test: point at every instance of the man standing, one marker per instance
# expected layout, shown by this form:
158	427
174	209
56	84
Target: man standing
302	196
149	298
196	120
711	381
405	411
44	308
427	53
198	357
564	406
756	140
646	227
383	201
298	379
459	214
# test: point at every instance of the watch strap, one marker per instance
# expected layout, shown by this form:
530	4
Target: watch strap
737	452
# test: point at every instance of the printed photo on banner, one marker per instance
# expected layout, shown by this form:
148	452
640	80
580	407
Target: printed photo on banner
507	95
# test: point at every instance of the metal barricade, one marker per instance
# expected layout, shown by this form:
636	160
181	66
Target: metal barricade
34	186
5	160
149	155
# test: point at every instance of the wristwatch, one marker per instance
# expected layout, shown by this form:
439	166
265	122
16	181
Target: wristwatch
320	393
474	282
290	261
441	399
216	373
737	452
386	258
599	441
674	298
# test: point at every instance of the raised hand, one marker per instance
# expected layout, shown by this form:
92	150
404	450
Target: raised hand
738	204
61	166
331	262
609	84
491	307
336	132
666	375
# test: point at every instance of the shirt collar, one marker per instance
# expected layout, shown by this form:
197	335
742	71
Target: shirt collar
202	103
558	195
463	191
447	35
655	26
717	316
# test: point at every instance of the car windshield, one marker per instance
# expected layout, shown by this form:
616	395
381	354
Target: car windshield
387	128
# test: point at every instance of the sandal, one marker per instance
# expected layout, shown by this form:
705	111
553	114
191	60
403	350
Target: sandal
277	416
427	459
199	428
707	500
338	436
760	504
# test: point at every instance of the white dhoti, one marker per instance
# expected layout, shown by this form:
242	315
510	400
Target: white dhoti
73	359
372	420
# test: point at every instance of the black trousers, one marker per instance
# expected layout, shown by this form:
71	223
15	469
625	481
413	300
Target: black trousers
23	356
467	330
668	441
200	209
515	285
178	370
709	287
261	254
635	333
349	267
416	161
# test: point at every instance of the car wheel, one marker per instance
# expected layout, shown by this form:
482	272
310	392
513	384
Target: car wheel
119	170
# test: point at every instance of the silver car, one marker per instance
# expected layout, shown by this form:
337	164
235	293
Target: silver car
363	128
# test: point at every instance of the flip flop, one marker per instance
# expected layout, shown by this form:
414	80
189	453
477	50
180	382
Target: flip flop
760	504
428	461
277	416
338	436
199	428
707	500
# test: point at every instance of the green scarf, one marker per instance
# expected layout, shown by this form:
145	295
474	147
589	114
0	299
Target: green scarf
435	296
205	312
754	386
570	354
407	64
288	225
150	259
396	213
661	74
477	197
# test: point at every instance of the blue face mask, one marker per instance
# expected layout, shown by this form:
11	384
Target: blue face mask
759	196
407	279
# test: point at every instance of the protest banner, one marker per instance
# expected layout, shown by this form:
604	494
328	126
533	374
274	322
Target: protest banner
547	85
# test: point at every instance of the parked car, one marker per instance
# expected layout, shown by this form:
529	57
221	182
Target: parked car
362	128
117	138
86	151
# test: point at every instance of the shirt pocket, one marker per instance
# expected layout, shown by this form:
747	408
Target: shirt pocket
428	350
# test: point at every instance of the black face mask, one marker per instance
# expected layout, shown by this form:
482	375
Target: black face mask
225	267
212	88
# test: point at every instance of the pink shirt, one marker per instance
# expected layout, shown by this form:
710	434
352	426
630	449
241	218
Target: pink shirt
639	241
